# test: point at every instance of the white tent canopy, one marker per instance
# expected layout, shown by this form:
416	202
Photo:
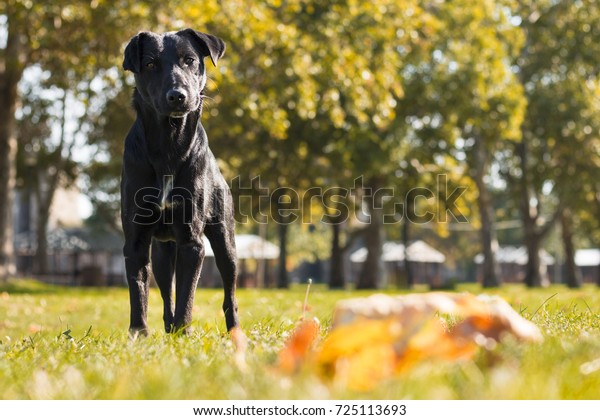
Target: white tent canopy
249	247
514	255
418	251
587	257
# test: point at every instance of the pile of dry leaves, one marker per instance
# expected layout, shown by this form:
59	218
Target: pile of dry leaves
380	336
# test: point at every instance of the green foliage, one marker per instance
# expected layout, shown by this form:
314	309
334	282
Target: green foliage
107	139
310	94
310	242
74	39
559	69
72	344
475	89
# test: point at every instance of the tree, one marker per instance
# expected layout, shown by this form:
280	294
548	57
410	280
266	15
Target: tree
110	127
558	69
264	116
360	75
36	34
44	163
476	96
12	63
296	70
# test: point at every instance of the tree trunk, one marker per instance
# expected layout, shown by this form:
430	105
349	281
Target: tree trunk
534	275
282	218
41	253
261	263
45	190
597	201
8	149
572	276
10	75
408	267
489	244
371	274
283	281
336	269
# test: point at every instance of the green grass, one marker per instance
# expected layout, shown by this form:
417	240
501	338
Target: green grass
72	344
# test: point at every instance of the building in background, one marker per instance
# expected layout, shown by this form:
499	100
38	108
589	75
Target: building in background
427	263
77	255
588	261
512	261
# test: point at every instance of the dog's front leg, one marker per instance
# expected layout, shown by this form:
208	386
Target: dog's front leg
187	272
137	267
163	268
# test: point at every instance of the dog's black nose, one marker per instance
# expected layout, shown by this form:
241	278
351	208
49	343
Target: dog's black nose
175	96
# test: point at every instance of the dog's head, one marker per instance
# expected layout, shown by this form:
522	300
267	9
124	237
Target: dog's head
169	68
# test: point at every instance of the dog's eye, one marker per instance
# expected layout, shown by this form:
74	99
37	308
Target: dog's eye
150	65
189	60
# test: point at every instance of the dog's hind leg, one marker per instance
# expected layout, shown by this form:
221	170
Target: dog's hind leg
163	268
222	241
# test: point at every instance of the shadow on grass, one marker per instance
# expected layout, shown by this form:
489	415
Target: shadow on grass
31	287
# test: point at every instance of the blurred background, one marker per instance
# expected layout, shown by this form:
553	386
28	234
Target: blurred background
369	144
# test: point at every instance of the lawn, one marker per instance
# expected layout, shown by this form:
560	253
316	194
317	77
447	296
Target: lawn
72	344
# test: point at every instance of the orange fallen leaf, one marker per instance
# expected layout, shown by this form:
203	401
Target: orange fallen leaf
349	352
360	372
296	350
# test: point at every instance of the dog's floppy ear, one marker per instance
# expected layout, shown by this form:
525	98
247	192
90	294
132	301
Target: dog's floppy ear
133	54
208	45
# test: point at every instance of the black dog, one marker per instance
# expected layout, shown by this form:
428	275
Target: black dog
171	189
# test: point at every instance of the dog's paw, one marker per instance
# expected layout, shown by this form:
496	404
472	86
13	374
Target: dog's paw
134	333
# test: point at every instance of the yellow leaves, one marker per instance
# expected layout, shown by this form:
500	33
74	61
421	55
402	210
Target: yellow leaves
379	337
337	116
359	372
345	357
198	14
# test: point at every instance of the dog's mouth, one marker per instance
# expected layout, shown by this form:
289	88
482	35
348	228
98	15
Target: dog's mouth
177	114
